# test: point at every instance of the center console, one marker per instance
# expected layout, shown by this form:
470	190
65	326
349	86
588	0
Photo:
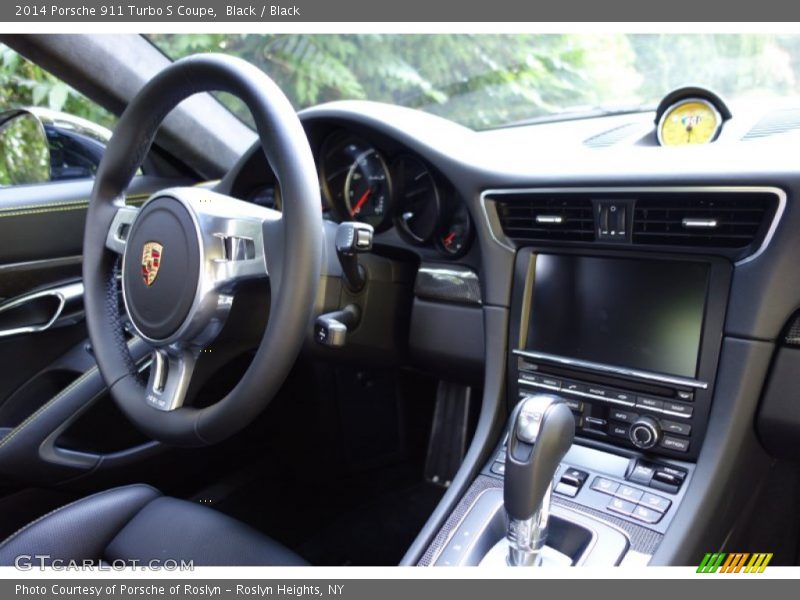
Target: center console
630	342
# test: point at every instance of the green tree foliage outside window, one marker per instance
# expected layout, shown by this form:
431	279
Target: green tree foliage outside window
23	83
488	80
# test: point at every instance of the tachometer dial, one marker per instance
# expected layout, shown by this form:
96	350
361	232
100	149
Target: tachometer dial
455	235
690	121
367	189
355	180
418	202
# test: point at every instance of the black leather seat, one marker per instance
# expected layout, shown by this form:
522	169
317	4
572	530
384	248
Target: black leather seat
138	523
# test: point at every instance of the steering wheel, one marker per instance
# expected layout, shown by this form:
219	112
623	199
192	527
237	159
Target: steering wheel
185	252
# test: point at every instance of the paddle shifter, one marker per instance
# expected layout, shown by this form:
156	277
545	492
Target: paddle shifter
541	432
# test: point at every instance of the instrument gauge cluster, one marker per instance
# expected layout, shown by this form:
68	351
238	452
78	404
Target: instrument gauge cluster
396	189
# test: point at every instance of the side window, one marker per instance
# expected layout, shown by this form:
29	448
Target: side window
48	131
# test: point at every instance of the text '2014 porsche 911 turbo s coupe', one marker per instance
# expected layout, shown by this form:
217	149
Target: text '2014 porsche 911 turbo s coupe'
494	300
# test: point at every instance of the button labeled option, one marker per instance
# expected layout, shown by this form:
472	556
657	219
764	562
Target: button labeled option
676	444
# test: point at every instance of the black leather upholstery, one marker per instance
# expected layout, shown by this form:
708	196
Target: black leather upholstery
137	523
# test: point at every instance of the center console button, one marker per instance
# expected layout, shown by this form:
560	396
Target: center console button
676	444
678	409
622	415
676	428
629	493
574	405
666	482
573	386
646	515
530	377
642	473
565	489
551	382
574	477
605	486
655	502
623	397
651	403
685	396
597	391
499	468
623	507
618	430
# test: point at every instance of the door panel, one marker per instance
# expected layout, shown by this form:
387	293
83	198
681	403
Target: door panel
48	378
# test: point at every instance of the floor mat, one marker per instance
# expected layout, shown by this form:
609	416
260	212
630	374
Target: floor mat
377	534
368	519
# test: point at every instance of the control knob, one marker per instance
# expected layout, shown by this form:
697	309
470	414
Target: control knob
645	433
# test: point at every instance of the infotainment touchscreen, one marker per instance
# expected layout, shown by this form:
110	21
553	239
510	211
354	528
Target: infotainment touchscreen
641	314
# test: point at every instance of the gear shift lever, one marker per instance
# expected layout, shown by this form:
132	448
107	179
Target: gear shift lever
541	432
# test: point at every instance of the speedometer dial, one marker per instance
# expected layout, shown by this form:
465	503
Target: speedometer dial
690	121
418	201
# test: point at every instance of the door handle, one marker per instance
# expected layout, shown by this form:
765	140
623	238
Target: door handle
42	310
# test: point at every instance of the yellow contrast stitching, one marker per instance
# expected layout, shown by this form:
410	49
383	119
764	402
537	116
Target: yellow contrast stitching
45	406
37	209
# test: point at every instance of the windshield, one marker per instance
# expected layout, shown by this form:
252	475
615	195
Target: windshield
485	81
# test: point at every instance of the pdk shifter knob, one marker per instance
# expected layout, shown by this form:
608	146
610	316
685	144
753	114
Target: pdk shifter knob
542	430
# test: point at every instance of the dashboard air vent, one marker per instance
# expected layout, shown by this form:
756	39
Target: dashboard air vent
611	137
779	121
542	217
700	219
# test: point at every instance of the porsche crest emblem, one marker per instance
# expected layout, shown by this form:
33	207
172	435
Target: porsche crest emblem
151	261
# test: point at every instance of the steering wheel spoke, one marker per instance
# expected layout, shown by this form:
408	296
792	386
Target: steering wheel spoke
170	374
117	235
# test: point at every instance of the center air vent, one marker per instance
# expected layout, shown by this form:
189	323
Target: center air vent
701	219
535	217
734	221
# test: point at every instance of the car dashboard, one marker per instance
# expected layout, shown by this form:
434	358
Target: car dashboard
650	286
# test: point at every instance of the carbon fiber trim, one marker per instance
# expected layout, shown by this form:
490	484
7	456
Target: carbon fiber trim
642	540
448	284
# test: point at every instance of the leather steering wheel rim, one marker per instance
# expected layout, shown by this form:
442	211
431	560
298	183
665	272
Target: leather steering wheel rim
294	275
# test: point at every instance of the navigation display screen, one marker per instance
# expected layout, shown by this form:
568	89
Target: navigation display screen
640	314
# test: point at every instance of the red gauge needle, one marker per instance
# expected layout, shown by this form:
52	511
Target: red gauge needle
361	201
449	239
